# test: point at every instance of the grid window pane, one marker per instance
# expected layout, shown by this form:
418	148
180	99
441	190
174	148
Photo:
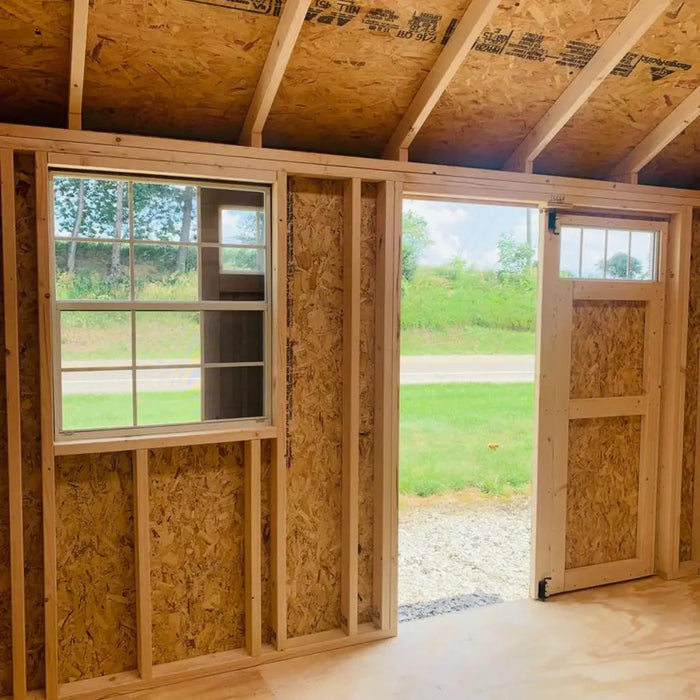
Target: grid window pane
86	207
570	251
168	396
91	338
617	262
165	212
99	399
167	337
643	249
593	253
165	273
242	260
221	282
242	226
233	336
92	271
233	392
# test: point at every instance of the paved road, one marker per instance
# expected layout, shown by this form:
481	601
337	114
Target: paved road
436	369
415	369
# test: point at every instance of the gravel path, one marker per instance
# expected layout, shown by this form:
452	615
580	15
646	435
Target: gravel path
462	550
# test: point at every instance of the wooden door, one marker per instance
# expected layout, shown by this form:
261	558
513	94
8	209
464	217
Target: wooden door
597	398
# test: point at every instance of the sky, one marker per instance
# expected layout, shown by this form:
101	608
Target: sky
470	231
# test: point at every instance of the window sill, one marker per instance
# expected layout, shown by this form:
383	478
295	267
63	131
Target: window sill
146	442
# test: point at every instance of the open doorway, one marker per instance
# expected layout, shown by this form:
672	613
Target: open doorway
469	308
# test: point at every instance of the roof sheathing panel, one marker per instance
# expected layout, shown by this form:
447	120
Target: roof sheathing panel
517	69
182	68
657	75
678	165
34	61
354	72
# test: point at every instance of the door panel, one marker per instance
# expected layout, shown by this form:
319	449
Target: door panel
598	407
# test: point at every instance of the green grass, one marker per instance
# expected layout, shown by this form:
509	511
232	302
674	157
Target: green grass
84	411
473	340
446	430
451	297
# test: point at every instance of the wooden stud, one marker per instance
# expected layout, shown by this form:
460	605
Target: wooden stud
671	426
384	448
278	489
608	407
553	361
655	142
625	36
290	24
142	550
78	45
253	535
14	428
394	379
447	64
45	293
352	217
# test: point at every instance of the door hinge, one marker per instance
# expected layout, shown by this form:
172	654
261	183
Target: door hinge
542	588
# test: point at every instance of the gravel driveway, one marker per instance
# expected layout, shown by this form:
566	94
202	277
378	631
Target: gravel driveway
462	550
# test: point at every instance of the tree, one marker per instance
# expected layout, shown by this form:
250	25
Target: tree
514	259
617	266
414	240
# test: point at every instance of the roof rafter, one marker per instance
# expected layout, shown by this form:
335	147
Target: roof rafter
78	45
290	24
625	36
657	139
448	62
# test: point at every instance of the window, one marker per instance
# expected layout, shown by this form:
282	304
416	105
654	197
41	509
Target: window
589	251
161	320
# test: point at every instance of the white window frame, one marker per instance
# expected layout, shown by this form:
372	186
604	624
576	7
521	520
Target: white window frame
607	224
133	306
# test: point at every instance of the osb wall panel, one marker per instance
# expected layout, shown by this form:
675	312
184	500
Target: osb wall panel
96	592
182	68
368	277
34	57
354	72
315	399
266	549
602	490
692	375
520	65
25	205
197	550
659	73
5	594
607	349
678	165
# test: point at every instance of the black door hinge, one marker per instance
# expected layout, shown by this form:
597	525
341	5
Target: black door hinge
552	222
542	588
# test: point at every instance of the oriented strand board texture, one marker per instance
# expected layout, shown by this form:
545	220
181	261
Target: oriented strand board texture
268	635
25	206
607	349
518	68
95	564
5	594
354	71
315	395
678	165
197	550
181	68
602	490
34	57
626	107
368	286
692	376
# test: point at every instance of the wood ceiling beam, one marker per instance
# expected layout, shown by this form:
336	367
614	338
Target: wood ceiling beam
448	62
657	139
78	45
291	21
625	36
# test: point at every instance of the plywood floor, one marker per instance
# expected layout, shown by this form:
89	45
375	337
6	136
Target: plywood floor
632	640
